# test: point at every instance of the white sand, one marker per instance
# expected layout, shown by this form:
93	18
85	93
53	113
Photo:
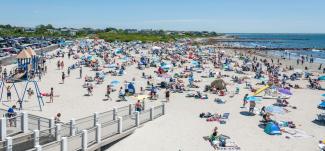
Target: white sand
181	128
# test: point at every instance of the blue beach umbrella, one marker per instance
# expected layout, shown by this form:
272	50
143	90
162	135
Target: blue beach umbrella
195	63
253	99
321	78
115	82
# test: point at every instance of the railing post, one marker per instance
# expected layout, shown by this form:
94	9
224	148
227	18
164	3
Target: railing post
163	109
64	144
84	140
9	144
137	119
120	127
98	133
57	132
24	122
130	109
51	125
39	123
36	138
96	118
73	127
151	113
114	113
3	125
38	148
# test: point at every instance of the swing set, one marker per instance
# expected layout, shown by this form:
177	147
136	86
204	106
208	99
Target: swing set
33	82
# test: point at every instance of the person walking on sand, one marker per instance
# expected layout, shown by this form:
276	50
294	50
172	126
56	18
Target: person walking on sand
63	77
252	105
68	71
80	72
167	95
245	100
51	95
108	92
90	90
62	65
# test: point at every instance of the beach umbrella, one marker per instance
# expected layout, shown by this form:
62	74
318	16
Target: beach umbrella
115	82
321	78
195	63
285	91
274	109
253	99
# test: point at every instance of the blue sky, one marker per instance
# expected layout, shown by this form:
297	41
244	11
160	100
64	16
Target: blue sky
249	16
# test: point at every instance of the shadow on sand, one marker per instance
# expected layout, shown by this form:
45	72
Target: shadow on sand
320	123
246	113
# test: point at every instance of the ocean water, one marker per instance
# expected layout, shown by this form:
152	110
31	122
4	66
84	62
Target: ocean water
313	41
284	40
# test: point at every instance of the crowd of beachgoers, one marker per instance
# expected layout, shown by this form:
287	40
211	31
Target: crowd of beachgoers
216	98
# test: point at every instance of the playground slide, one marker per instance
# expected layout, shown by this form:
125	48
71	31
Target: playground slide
261	90
19	75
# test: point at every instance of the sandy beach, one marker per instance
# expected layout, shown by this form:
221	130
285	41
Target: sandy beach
182	129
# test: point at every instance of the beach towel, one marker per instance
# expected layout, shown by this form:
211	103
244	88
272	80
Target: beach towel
225	116
230	146
295	133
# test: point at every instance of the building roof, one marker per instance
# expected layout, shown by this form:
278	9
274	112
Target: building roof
23	55
31	51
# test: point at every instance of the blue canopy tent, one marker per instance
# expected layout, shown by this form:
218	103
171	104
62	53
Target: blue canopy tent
322	105
272	129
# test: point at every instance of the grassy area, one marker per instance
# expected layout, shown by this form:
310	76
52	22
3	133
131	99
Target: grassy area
126	37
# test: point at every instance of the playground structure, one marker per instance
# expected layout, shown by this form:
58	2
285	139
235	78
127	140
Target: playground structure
28	66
